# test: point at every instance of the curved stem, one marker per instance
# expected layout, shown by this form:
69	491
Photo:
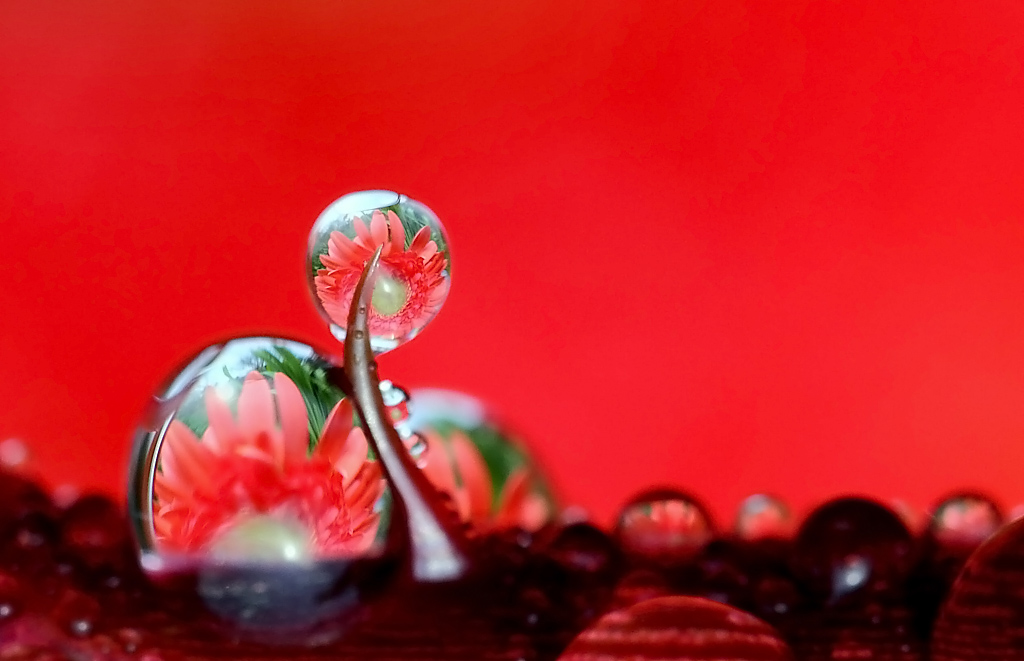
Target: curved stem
438	543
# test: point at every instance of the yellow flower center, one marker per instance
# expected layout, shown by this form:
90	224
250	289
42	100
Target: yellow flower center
264	539
389	295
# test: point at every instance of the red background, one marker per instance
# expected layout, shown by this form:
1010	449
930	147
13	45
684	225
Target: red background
733	246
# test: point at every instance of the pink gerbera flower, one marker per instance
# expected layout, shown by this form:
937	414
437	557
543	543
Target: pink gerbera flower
256	468
457	468
411	284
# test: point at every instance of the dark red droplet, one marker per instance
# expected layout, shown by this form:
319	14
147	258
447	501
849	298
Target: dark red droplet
94	530
76	613
983	616
678	629
583	548
853	550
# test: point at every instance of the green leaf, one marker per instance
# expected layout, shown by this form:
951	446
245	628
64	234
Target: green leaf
310	376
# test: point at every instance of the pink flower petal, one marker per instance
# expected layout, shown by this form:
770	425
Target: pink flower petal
362	233
518	505
294	422
438	466
222	422
378	229
256	415
184	459
397	231
420	241
476	479
344	250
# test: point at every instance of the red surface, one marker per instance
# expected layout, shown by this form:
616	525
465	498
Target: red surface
731	246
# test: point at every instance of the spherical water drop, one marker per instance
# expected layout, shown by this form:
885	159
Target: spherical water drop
966	519
853	550
761	516
252	474
474	459
664	524
678	629
415	268
983	616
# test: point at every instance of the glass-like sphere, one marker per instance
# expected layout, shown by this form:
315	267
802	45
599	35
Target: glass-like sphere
664	524
478	462
250	473
763	516
415	266
965	519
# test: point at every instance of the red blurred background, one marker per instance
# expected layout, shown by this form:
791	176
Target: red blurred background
733	246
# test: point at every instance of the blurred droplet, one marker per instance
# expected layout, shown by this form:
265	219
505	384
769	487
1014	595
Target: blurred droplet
14	455
678	629
965	519
484	468
853	548
762	516
665	524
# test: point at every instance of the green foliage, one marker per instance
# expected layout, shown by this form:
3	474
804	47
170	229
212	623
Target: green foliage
310	376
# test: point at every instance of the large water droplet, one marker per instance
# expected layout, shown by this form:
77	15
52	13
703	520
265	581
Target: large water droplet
678	629
983	617
251	474
415	268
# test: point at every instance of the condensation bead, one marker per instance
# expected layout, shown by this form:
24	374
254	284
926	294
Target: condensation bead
966	519
665	524
472	457
762	516
853	550
678	629
415	266
251	473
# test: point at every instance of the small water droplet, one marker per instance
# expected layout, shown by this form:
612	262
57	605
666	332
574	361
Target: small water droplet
418	449
14	454
414	273
965	519
761	516
358	334
664	523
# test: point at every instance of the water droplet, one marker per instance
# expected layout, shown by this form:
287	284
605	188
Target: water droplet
14	455
984	612
966	519
853	548
762	516
664	524
484	469
583	548
94	530
418	449
254	479
414	273
678	629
